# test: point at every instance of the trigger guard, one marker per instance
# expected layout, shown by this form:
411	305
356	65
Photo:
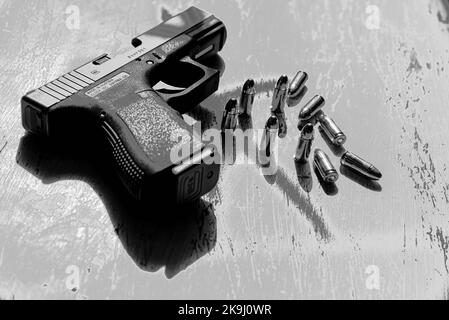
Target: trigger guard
185	100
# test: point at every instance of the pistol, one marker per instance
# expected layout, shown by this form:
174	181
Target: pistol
117	97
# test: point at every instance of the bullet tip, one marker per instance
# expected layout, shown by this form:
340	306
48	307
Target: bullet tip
272	123
249	84
282	82
376	173
232	104
308	131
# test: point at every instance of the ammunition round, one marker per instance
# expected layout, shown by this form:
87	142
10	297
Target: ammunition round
269	136
312	108
232	104
272	123
360	165
332	131
303	123
247	97
283	128
297	84
325	167
279	96
229	121
305	144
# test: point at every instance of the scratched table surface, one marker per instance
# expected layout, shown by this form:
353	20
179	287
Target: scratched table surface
383	69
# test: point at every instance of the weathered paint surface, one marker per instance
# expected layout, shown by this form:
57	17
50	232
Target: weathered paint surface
383	68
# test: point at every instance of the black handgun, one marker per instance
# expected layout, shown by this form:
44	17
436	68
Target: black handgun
141	125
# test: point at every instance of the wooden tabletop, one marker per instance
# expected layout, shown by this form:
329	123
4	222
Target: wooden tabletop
67	230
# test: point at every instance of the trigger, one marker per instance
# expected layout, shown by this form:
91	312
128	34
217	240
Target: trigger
165	88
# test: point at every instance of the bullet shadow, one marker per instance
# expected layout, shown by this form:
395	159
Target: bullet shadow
204	116
304	173
228	147
337	151
245	122
270	179
270	172
154	233
293	102
360	179
284	184
295	196
329	188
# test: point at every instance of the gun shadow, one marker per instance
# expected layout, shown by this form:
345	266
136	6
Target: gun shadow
154	233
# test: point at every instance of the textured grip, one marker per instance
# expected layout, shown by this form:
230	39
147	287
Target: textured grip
142	134
156	128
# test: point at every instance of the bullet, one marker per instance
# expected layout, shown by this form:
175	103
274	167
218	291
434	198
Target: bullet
297	85
305	144
332	131
312	108
363	167
229	121
279	96
338	151
303	123
268	150
283	129
325	167
247	97
269	136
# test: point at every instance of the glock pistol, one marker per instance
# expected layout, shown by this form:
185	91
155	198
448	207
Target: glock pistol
118	98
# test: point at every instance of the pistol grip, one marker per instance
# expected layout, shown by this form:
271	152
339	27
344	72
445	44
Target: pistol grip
206	84
142	134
